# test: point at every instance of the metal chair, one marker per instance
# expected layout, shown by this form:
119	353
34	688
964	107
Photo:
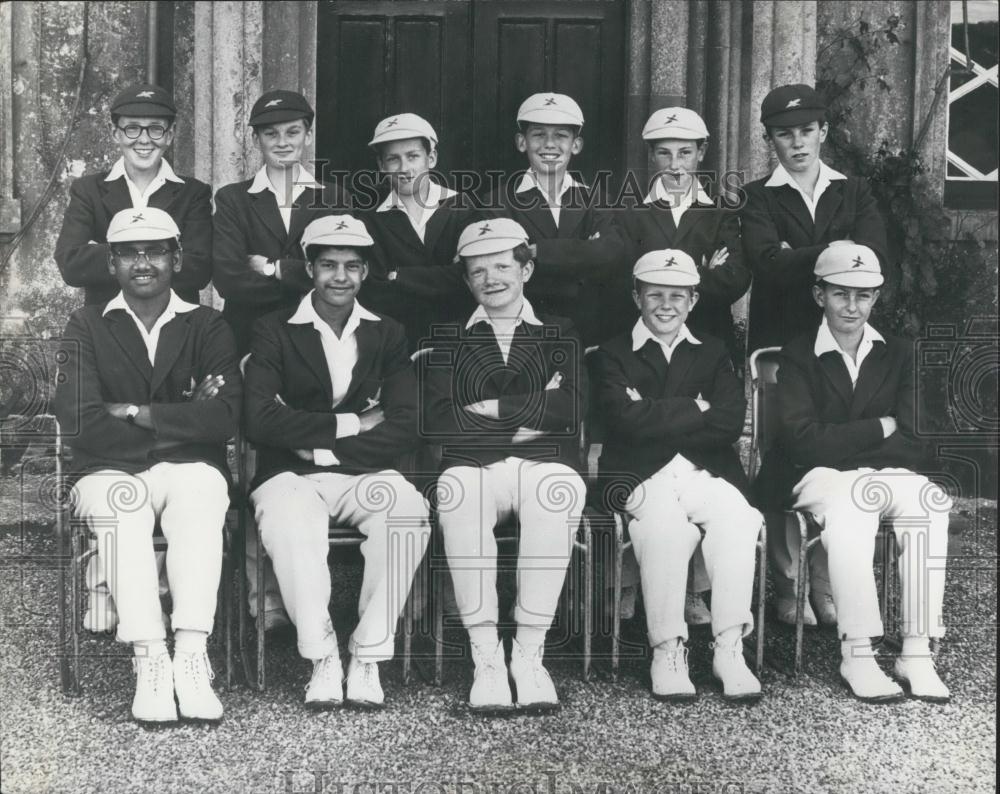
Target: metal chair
338	536
763	383
72	542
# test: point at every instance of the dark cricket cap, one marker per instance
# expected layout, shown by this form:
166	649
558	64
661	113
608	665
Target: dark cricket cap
144	100
275	107
790	105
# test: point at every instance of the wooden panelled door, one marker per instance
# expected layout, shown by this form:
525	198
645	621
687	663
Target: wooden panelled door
466	65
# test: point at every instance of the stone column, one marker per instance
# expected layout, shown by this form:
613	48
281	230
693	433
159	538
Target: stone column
227	79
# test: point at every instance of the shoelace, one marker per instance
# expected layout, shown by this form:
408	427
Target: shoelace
538	671
191	668
369	676
487	660
675	657
156	669
732	648
325	669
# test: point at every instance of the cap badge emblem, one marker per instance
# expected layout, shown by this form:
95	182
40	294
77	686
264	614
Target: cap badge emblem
144	95
392	122
671	119
274	102
858	262
550	101
793	103
137	218
484	229
340	225
671	262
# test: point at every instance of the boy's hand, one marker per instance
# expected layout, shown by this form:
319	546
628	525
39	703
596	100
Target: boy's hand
718	258
207	389
487	408
525	434
703	404
785	245
371	419
260	265
889	426
555	382
305	454
633	394
533	248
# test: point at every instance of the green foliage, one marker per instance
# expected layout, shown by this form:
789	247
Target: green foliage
936	268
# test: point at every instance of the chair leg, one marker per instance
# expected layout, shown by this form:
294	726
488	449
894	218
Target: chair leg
76	571
261	643
588	597
438	606
761	590
801	586
66	549
616	618
227	608
242	590
408	611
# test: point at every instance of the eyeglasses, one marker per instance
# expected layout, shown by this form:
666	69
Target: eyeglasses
155	256
155	131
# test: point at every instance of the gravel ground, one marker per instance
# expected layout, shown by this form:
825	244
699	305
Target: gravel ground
806	735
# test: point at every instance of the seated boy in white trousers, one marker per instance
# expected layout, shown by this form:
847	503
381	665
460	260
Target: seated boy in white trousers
673	408
150	392
503	395
846	453
331	406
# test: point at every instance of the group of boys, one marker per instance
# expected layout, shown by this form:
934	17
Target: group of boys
330	302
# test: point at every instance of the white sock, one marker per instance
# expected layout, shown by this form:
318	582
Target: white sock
916	647
529	638
484	635
856	649
190	641
149	647
671	645
730	636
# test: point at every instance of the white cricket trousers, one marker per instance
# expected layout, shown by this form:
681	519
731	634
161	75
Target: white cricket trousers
547	498
668	512
190	501
293	515
850	505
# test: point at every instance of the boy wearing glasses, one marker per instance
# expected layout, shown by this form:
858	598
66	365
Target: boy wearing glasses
149	394
142	127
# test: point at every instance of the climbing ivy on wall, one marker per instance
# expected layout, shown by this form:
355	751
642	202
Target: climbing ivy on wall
938	270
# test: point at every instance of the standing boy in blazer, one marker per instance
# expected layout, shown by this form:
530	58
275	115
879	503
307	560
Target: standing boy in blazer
673	409
846	453
142	127
788	219
414	278
503	394
258	265
578	251
149	395
331	405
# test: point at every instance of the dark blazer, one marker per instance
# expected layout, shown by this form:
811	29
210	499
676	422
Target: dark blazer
250	223
428	287
288	360
106	361
466	366
781	303
703	230
580	268
642	436
94	202
822	421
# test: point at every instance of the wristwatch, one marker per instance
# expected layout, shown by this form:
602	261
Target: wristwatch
131	412
270	268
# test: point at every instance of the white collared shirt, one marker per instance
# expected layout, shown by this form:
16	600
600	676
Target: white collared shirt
678	204
151	338
505	339
341	355
826	176
827	343
301	179
529	181
140	198
435	195
641	334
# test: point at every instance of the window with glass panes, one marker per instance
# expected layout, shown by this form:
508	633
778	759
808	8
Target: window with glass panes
973	105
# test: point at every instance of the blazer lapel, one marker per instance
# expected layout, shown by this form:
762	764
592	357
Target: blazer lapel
367	337
680	362
435	226
168	348
790	200
691	220
651	353
115	196
164	198
265	207
123	329
870	379
827	206
664	218
575	201
306	340
835	370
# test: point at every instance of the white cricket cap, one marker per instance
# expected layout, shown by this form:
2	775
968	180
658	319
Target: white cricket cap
668	267
550	109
